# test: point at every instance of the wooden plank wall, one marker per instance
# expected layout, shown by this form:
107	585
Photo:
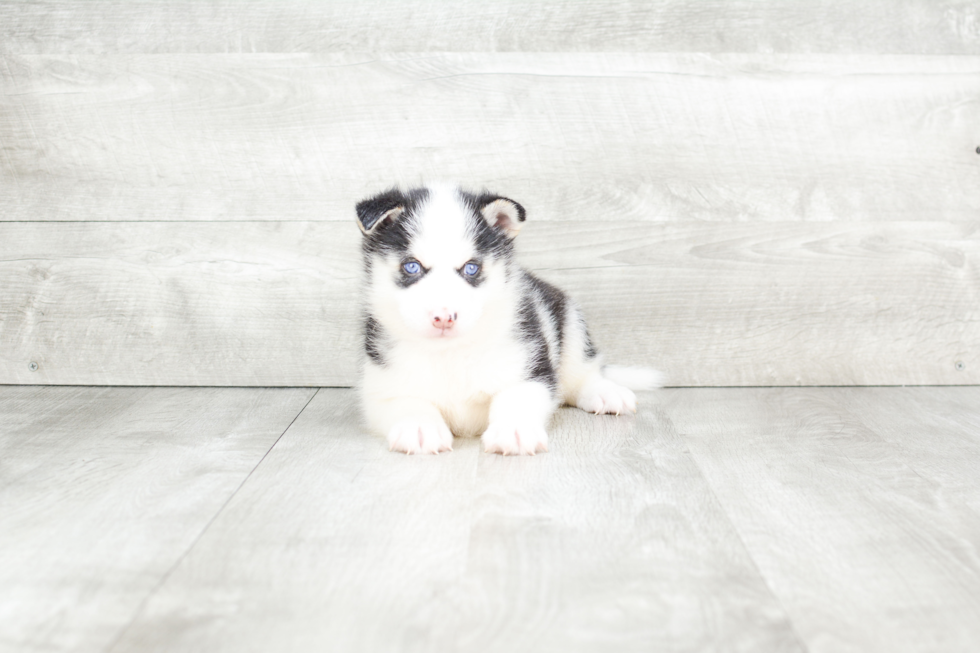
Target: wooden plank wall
739	193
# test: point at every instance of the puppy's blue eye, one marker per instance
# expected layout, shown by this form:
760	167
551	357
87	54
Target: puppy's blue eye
412	267
471	269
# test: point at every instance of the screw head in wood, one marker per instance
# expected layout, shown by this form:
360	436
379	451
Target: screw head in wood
32	367
960	366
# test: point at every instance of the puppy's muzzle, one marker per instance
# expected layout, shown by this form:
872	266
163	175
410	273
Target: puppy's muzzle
443	319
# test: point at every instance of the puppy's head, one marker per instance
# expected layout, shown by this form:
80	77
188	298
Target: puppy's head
437	259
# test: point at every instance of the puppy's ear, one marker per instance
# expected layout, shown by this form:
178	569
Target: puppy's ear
380	210
502	213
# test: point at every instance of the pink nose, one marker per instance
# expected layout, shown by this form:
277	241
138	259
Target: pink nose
443	319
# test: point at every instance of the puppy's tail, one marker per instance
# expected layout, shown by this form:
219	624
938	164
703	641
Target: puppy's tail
634	378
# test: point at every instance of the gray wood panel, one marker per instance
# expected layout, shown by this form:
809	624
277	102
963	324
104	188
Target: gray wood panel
610	542
179	303
710	304
103	490
658	137
865	541
937	430
788	304
897	26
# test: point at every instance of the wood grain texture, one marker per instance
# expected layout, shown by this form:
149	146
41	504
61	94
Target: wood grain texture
814	304
710	304
610	542
864	539
180	303
818	519
900	26
102	490
640	136
936	429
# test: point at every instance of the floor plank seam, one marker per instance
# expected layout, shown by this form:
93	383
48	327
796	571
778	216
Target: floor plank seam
748	552
163	579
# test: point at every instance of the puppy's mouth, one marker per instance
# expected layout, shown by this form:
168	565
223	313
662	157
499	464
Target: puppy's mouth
448	332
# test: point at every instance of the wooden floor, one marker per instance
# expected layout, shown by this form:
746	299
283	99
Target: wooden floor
234	519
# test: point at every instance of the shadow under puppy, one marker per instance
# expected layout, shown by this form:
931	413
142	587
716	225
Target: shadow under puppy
461	340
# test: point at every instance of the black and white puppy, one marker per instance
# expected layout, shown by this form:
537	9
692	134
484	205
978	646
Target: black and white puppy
462	341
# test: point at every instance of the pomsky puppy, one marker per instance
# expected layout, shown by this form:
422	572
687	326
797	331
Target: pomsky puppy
460	340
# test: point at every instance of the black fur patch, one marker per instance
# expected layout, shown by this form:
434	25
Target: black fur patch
369	211
393	238
375	341
529	331
488	240
590	350
555	301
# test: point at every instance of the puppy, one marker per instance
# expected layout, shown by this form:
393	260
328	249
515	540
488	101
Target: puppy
460	340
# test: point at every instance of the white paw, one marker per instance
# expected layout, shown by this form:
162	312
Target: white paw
412	436
603	396
511	440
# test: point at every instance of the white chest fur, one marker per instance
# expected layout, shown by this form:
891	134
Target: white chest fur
459	378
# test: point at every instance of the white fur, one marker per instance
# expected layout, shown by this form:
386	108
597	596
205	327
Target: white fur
470	380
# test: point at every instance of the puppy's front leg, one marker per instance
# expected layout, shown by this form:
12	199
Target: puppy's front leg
518	418
411	425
